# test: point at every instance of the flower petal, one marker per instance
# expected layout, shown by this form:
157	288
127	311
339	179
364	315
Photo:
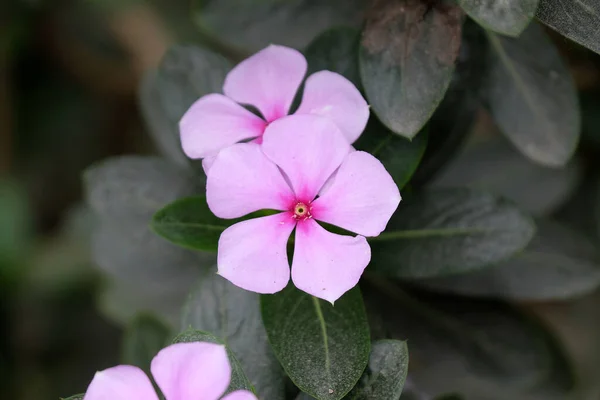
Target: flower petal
308	149
207	163
267	80
362	197
215	122
123	382
252	254
242	180
240	395
331	95
327	265
195	370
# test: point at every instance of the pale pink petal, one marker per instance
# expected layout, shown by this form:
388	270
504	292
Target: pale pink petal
194	370
308	149
207	163
331	95
123	382
252	254
362	197
327	265
242	180
215	122
240	395
267	80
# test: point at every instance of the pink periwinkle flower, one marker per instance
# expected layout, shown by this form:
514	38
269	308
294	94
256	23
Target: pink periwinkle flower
298	156
268	80
183	371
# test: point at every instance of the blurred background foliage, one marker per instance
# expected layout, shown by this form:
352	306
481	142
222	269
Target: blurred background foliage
69	76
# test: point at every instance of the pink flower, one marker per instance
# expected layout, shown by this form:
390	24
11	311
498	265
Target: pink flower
298	156
268	80
183	371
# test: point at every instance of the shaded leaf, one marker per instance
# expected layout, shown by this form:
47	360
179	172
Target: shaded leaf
143	339
233	315
557	264
532	96
407	55
399	156
252	25
497	167
75	397
579	20
385	375
445	232
324	349
484	350
239	381
335	50
509	17
185	74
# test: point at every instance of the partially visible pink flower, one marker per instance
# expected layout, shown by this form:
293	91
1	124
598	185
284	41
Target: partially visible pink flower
268	80
183	371
298	156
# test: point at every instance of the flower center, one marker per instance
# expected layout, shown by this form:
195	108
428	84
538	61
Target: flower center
301	211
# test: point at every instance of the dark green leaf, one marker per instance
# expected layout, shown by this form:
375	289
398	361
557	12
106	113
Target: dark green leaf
144	338
579	20
185	74
324	349
532	96
233	315
497	167
480	349
509	17
385	375
335	50
399	156
557	264
189	223
252	25
75	397
445	232
238	378
407	55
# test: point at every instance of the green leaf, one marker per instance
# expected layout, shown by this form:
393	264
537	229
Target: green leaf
532	96
253	25
399	156
508	17
407	55
558	264
189	223
324	349
144	338
233	315
480	349
385	374
335	50
75	397
497	167
445	232
185	74
239	381
578	20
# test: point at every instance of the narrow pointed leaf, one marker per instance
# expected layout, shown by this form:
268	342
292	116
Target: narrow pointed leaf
508	17
579	20
407	55
532	96
445	232
324	349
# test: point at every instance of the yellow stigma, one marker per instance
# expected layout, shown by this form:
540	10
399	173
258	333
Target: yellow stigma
301	210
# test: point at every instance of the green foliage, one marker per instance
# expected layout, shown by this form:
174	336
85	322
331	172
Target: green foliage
407	55
144	338
578	20
15	230
75	397
532	96
323	349
239	381
445	232
233	315
508	17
